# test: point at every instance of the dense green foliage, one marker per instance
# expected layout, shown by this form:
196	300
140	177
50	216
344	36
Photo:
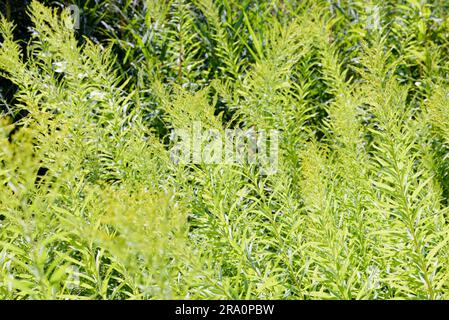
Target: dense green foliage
93	207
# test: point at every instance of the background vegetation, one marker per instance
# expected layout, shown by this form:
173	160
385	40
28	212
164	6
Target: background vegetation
92	207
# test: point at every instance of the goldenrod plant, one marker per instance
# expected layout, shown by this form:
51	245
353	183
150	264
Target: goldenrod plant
315	135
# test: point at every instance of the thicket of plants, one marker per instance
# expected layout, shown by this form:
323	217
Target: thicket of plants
93	207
